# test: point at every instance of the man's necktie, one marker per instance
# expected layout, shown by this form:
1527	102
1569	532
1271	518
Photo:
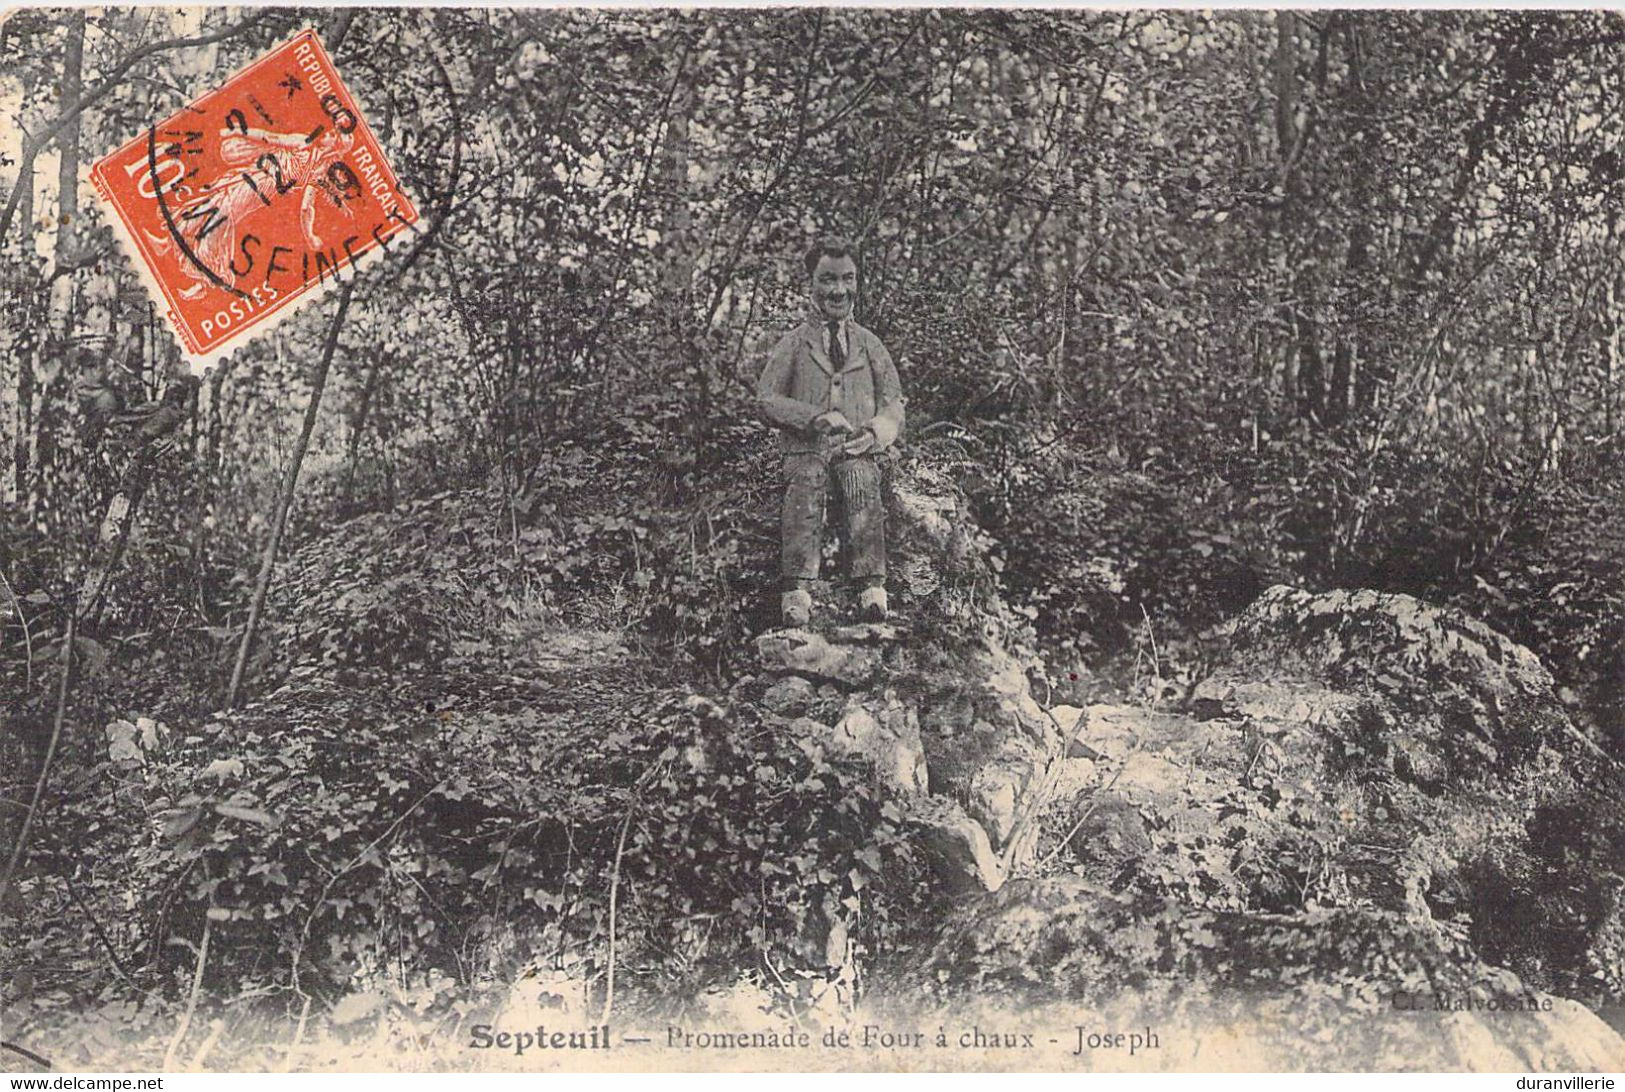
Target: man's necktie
837	355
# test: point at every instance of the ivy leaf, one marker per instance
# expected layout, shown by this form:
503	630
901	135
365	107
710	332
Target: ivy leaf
222	768
180	823
123	743
247	815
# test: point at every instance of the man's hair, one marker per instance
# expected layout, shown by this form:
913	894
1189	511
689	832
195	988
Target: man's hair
829	246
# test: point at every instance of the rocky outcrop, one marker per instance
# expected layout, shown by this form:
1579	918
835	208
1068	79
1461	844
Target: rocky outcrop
1477	706
1372	827
1426	732
939	704
954	734
1374	818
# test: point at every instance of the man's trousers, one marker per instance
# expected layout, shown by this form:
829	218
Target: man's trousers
857	484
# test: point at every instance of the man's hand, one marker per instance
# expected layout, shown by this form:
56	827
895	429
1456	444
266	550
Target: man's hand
832	422
861	444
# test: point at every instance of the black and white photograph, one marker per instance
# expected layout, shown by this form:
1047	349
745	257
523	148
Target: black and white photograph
812	539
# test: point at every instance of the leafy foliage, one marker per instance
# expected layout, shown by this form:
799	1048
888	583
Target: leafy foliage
449	839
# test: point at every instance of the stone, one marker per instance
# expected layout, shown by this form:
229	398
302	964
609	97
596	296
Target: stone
807	728
1111	831
880	730
1069	719
994	794
802	652
702	706
978	704
870	632
957	846
889	738
1005	683
1000	793
1074	777
790	696
1384	645
1428	751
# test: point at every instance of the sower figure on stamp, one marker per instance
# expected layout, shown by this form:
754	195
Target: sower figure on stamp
831	389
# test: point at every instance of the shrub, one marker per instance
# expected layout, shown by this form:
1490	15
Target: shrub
339	839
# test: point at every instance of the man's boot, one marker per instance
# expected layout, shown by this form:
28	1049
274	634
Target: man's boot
872	604
796	607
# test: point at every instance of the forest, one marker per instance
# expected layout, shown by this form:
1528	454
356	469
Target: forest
420	653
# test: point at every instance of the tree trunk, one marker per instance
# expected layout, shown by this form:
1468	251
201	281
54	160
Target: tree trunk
1286	91
290	481
677	267
67	144
1613	288
358	426
27	353
51	419
208	472
1311	366
25	203
1297	373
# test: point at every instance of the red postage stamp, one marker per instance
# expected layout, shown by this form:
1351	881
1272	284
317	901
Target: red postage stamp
254	199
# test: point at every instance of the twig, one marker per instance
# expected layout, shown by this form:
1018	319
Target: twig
1084	818
290	481
1156	654
789	992
614	892
615	885
50	750
191	1000
1039	797
1036	798
215	1030
101	934
1258	752
298	1034
28	638
26	1053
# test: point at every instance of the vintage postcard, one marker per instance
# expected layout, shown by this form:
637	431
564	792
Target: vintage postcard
542	540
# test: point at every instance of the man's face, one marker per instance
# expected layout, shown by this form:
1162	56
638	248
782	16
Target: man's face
834	286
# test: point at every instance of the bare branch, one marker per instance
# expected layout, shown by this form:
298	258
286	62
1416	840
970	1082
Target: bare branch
34	145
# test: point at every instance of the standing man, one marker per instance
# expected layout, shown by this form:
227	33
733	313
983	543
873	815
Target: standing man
831	389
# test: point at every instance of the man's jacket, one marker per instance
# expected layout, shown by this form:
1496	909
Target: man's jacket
800	383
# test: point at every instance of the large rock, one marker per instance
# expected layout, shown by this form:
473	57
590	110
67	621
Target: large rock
790	696
986	752
1364	749
935	541
1478	704
988	741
